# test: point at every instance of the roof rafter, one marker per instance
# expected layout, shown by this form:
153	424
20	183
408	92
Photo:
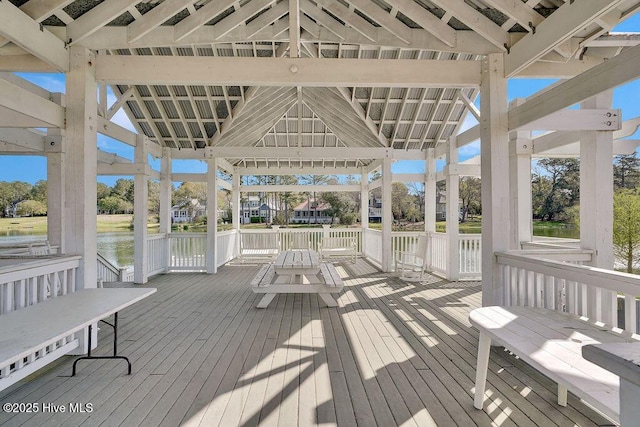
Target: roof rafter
390	23
352	19
155	17
426	20
22	30
476	21
229	23
201	17
96	18
557	28
40	10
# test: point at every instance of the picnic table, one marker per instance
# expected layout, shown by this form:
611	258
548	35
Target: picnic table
297	271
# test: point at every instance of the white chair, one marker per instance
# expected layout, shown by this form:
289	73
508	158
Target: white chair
411	264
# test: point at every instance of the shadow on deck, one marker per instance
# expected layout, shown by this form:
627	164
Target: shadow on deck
392	353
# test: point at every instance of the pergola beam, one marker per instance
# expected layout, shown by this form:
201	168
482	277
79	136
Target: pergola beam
305	170
128	169
22	30
14	140
30	105
160	70
612	73
117	37
308	153
300	188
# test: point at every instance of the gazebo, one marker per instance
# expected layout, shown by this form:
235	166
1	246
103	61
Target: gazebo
257	87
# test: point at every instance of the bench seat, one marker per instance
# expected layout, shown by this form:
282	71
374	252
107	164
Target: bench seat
37	335
551	342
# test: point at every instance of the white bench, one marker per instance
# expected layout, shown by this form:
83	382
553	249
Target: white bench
36	335
259	245
266	281
338	247
552	343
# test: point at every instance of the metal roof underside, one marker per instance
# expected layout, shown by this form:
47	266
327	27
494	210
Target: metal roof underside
195	116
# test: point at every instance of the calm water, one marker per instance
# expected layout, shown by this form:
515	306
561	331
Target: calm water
115	246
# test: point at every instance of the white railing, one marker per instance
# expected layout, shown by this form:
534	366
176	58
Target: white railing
28	283
187	251
470	250
107	272
550	243
373	245
562	286
157	254
35	281
226	247
438	243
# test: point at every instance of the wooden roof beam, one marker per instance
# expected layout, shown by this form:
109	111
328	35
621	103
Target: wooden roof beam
130	70
21	29
96	18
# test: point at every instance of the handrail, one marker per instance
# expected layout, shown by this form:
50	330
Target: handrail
599	277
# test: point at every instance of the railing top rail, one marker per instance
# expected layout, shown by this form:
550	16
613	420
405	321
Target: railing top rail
173	235
156	236
41	261
598	277
108	264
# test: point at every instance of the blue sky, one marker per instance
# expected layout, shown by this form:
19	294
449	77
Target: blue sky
33	168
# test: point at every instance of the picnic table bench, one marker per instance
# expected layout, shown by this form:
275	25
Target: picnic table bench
297	272
552	343
36	335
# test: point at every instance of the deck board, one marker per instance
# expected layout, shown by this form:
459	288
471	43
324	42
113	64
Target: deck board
392	353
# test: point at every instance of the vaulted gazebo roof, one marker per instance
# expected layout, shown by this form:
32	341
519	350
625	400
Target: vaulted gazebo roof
548	38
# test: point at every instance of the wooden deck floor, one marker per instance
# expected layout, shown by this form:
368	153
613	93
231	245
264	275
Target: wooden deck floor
392	353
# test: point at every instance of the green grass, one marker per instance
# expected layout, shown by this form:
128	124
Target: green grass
38	225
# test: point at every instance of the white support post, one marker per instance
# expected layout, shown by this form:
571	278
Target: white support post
387	215
212	216
140	213
165	202
494	147
520	150
453	226
430	193
236	208
81	164
364	204
54	144
596	206
80	161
